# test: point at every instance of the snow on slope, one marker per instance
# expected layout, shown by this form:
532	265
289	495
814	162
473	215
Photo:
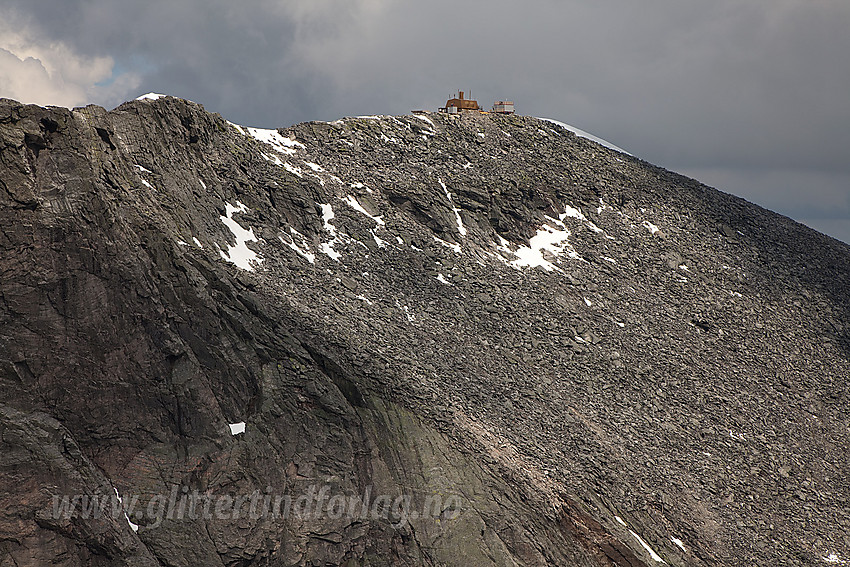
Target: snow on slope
151	96
240	254
583	134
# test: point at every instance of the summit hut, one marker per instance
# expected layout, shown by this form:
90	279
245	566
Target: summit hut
455	105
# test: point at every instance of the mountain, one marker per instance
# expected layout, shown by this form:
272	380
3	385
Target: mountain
413	340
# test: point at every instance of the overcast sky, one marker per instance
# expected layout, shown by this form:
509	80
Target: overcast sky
749	96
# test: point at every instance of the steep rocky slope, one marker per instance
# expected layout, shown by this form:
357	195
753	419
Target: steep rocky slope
518	346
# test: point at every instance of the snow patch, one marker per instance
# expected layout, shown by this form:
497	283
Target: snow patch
239	254
597	230
581	133
550	239
327	248
455	247
237	428
197	243
655	557
314	166
327	217
575	213
572	213
428	120
134	527
238	128
142	168
650	227
352	202
296	171
151	96
503	246
406	311
273	138
305	252
274	159
380	242
679	543
460	228
442	279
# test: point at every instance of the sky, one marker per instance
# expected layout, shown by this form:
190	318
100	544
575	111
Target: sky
749	96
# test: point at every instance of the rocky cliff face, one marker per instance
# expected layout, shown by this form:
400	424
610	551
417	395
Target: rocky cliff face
417	340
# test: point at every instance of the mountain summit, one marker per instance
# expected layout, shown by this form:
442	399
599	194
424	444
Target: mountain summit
413	340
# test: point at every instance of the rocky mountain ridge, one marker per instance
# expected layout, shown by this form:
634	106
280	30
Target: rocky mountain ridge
603	362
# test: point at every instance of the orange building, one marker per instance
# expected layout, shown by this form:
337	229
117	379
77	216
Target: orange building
455	105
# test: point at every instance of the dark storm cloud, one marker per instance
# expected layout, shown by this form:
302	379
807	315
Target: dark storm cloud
213	52
751	94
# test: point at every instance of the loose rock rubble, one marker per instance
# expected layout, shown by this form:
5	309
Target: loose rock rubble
606	362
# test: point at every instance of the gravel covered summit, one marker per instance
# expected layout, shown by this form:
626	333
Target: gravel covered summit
594	360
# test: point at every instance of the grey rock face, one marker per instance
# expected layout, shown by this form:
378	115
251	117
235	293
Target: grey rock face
451	340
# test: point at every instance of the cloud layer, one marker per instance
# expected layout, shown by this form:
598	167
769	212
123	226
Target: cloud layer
46	72
750	94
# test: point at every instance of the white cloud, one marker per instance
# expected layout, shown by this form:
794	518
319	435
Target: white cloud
37	71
